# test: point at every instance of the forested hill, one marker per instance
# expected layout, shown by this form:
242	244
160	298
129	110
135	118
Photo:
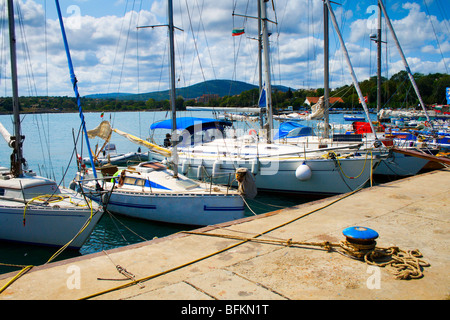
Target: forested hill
396	92
221	88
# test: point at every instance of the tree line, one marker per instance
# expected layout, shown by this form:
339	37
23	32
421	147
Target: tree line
396	92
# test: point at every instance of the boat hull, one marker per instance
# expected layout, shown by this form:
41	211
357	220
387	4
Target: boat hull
400	165
47	227
328	177
176	208
119	160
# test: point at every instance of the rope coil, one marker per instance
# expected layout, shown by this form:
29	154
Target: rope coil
403	264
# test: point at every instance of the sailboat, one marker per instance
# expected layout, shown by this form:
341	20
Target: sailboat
364	134
34	209
151	191
276	167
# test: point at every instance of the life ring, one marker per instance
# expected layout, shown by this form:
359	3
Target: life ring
81	162
252	132
427	124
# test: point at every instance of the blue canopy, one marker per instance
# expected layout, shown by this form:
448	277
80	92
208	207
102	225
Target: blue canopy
188	122
291	129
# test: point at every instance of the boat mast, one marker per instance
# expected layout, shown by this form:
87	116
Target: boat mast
261	116
352	72
326	70
405	63
259	47
16	157
172	90
74	80
267	70
379	64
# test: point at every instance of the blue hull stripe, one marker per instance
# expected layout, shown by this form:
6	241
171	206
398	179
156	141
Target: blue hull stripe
121	204
142	206
206	208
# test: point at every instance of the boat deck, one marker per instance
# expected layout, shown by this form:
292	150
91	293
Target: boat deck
411	213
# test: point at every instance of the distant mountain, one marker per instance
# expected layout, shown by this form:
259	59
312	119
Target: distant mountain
219	87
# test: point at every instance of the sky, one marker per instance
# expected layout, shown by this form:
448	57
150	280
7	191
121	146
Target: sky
110	54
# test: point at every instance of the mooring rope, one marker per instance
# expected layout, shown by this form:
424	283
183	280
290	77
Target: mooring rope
403	264
216	252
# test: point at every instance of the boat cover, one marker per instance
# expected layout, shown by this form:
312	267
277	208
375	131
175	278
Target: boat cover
292	129
189	122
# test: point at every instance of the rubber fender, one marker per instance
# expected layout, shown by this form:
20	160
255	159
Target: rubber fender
303	172
216	167
254	166
185	166
200	170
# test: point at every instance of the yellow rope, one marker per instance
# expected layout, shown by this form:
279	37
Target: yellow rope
404	264
17	276
44	198
326	245
79	232
364	166
214	253
27	268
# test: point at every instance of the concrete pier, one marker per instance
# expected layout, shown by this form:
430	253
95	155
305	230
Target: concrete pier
412	213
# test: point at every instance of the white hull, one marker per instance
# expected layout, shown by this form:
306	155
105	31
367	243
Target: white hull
46	226
155	194
187	209
391	164
400	165
27	215
328	177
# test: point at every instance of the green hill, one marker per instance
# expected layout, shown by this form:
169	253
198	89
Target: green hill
219	87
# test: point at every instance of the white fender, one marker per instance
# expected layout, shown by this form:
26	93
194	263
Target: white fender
185	166
303	172
254	166
200	172
216	167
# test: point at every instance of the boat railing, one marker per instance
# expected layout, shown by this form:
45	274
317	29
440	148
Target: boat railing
207	178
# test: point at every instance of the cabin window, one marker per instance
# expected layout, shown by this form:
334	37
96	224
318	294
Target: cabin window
140	182
129	180
2	192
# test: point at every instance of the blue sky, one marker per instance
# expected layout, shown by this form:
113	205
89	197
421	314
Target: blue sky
111	55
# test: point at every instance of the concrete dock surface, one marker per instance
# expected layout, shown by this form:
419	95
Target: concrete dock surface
411	213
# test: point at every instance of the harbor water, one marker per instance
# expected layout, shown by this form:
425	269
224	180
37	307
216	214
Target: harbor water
49	151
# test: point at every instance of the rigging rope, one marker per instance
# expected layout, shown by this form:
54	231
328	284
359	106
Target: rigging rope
57	253
216	252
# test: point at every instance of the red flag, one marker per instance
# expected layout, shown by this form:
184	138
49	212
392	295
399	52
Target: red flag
366	99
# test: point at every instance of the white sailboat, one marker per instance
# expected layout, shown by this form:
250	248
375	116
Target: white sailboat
362	137
33	209
153	192
109	154
394	164
276	167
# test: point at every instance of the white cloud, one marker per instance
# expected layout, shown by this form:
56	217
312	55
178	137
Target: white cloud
105	48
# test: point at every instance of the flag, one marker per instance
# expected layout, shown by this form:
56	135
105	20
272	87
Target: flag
262	97
365	99
101	116
237	32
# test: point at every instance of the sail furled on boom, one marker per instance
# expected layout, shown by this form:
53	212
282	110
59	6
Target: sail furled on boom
104	131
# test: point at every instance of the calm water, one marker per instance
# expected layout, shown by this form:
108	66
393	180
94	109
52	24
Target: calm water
48	149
